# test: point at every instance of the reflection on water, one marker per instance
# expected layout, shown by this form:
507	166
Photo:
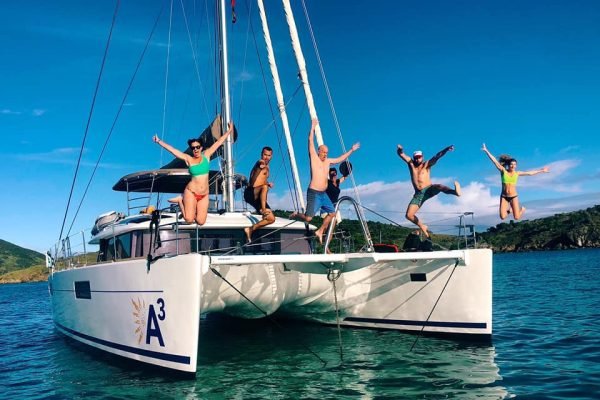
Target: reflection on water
245	360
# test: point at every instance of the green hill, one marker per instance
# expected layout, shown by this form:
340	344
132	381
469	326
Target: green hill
37	273
13	257
572	230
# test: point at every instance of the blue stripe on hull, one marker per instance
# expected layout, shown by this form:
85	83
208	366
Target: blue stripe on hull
438	324
146	353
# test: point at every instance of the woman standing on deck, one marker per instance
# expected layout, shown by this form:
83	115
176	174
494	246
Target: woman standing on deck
508	172
195	194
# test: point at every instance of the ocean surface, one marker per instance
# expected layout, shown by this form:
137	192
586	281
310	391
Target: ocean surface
546	345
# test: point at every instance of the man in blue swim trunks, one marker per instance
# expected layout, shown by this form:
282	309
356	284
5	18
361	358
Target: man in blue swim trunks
316	196
420	172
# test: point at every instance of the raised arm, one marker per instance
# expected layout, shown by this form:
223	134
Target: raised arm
492	158
311	139
179	154
439	155
344	156
209	152
402	155
544	170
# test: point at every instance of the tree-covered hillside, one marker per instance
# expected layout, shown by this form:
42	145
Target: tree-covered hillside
13	257
572	230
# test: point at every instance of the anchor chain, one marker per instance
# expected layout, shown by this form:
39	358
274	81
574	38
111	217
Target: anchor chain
332	276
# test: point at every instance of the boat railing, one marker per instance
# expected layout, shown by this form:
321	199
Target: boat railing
467	237
72	252
347	199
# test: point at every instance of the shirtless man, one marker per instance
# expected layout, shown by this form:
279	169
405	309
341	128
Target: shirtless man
256	192
316	195
421	180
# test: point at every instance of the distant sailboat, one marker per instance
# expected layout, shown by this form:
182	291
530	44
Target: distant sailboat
156	275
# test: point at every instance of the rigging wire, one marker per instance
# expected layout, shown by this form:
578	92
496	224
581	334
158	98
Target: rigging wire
164	114
87	127
112	128
328	92
195	58
244	63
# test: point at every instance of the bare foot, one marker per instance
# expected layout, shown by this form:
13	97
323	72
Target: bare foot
294	214
248	234
319	236
523	210
424	229
175	200
328	251
457	188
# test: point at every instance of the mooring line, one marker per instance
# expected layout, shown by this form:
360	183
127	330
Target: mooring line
271	319
436	302
331	278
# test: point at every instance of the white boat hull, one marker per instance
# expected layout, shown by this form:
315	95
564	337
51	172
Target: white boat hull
153	315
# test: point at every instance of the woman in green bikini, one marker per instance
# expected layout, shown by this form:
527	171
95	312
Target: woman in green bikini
195	195
508	173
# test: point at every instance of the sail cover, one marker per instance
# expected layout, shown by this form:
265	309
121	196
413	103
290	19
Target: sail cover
207	138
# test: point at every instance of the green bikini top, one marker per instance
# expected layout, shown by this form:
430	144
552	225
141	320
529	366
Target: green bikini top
201	168
510	179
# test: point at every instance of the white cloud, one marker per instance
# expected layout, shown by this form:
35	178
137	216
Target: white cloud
441	213
570	149
63	155
6	111
243	76
558	179
38	112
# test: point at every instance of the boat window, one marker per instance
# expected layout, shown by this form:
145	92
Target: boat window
123	246
82	290
231	241
171	243
294	242
217	241
115	248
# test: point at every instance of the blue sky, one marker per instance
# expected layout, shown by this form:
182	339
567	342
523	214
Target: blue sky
520	76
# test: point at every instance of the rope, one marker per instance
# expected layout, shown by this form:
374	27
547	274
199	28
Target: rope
269	317
332	277
112	128
436	302
87	127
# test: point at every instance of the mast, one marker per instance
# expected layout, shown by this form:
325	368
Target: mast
280	102
228	198
289	16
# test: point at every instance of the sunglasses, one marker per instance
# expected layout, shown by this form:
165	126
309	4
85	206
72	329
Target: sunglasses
196	147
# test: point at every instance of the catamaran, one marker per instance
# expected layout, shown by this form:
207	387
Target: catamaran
155	275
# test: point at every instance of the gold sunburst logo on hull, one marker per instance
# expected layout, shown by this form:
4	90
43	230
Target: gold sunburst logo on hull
139	313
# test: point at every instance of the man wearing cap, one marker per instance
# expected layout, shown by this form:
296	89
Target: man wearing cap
420	172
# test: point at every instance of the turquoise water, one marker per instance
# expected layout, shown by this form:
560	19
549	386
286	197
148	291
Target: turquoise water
546	345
